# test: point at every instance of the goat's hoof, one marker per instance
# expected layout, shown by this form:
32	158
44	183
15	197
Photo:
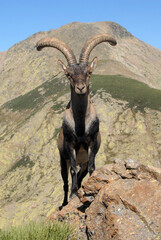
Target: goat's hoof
63	205
60	208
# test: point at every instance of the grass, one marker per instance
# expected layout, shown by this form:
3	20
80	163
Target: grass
32	100
39	231
137	94
23	162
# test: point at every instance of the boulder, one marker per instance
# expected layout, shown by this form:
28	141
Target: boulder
119	201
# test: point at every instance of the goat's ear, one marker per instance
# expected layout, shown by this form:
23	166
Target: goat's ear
92	65
62	66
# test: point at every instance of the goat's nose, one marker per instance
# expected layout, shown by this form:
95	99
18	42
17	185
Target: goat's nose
81	88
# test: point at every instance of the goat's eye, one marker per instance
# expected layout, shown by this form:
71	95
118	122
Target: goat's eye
69	77
88	75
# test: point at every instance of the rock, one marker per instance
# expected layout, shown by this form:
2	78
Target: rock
131	164
74	213
119	201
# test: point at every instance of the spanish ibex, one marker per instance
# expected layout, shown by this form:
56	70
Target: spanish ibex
79	138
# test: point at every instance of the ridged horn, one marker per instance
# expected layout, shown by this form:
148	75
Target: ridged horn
60	45
93	42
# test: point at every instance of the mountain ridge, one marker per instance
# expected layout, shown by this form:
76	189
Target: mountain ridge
131	57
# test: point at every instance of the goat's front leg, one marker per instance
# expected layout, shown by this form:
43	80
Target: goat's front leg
73	171
92	151
64	173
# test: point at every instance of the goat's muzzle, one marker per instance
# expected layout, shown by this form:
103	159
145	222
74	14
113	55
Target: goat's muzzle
80	88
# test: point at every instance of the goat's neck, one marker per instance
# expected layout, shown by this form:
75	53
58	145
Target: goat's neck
80	105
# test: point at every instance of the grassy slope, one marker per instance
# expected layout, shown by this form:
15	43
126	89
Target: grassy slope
137	94
34	99
39	231
25	106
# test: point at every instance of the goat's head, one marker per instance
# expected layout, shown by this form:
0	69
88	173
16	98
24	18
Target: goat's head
77	73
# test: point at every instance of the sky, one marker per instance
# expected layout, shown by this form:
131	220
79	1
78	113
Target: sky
19	19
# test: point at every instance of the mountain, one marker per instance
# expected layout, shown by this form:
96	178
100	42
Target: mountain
33	97
23	68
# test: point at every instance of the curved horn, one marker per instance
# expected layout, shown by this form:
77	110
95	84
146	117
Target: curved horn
60	45
93	42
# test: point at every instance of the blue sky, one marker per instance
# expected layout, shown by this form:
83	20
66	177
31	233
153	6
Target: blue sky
21	18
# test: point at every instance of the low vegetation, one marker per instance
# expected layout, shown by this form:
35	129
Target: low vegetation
137	94
39	231
36	98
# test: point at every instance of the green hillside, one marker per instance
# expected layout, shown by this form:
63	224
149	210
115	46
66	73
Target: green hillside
50	90
137	94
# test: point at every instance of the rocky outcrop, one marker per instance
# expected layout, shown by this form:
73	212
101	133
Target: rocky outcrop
119	201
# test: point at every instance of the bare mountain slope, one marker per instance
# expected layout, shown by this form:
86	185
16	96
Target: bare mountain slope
22	68
30	180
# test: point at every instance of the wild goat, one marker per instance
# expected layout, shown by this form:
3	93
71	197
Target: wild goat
79	138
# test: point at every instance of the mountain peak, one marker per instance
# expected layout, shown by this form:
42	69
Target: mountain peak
118	30
112	27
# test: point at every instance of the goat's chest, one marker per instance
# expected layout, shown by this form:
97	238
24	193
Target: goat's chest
68	121
90	123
